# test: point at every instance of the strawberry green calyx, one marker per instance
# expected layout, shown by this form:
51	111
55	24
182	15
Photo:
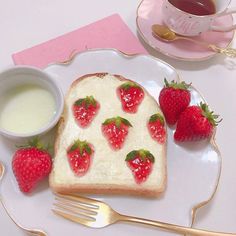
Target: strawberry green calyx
209	114
118	121
146	154
142	153
88	100
124	121
177	85
81	145
156	117
131	155
129	85
35	142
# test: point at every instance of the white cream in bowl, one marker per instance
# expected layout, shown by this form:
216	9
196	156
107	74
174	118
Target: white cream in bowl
30	102
26	109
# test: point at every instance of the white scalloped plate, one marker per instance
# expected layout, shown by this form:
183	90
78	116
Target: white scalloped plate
193	170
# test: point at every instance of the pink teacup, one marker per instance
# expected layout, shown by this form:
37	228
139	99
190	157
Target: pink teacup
187	24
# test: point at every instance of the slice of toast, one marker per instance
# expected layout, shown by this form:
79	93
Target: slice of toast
108	172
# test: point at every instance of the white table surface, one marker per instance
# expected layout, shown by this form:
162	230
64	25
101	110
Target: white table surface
26	23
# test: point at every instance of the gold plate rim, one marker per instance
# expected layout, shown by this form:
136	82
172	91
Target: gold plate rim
195	208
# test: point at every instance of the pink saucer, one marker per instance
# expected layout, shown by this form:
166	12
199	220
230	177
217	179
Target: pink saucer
149	13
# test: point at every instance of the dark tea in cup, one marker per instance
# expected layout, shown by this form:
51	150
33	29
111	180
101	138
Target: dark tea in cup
195	7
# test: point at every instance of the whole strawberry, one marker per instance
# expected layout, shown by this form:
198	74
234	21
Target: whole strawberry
195	123
30	165
84	110
116	129
156	127
140	162
174	98
79	156
131	95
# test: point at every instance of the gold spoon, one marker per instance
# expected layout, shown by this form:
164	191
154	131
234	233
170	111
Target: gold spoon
33	232
166	34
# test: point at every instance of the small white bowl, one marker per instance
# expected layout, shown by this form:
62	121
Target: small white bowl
23	75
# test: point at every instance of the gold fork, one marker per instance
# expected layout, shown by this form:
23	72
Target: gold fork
97	214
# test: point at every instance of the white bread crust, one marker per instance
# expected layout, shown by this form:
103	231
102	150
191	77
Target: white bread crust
111	189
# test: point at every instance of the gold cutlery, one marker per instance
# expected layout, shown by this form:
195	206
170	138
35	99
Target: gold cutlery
32	232
164	33
97	214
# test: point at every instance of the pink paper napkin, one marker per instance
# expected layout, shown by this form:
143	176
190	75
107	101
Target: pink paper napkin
110	32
